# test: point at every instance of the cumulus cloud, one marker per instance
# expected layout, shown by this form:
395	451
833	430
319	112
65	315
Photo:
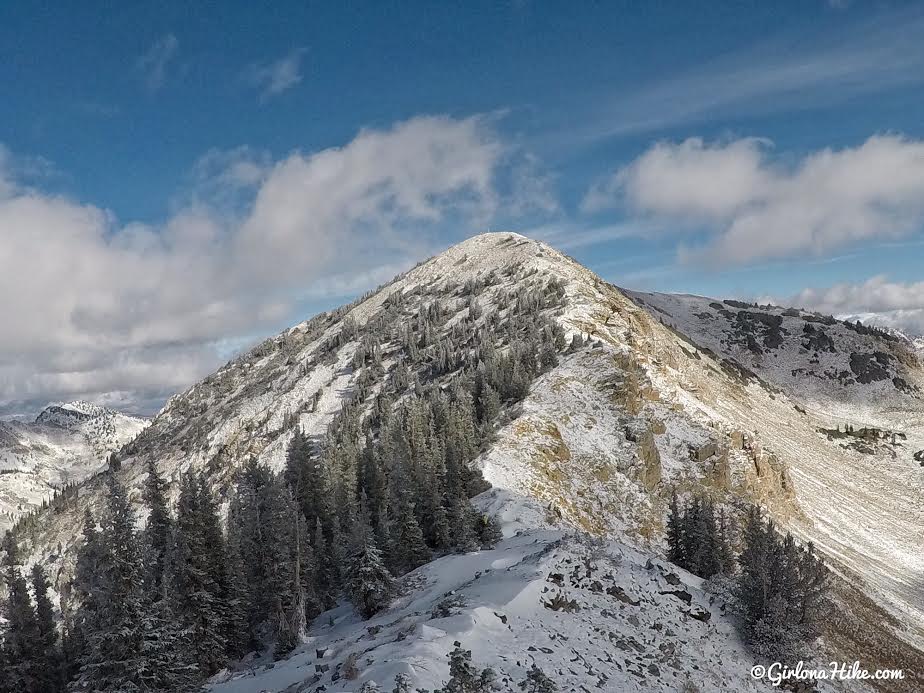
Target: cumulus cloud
100	309
153	65
273	78
752	206
876	301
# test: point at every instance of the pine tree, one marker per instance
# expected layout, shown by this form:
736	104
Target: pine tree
324	572
780	589
409	550
22	639
88	586
166	664
698	537
114	657
462	520
464	677
239	635
158	530
49	662
369	583
197	590
489	531
537	682
402	684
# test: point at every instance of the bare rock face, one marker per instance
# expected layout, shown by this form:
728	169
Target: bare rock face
650	473
769	478
701	453
718	471
736	440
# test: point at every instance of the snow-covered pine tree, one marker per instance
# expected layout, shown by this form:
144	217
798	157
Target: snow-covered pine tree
780	588
114	630
48	655
464	677
537	682
21	642
157	531
87	588
408	549
166	661
675	543
239	634
370	584
488	529
197	592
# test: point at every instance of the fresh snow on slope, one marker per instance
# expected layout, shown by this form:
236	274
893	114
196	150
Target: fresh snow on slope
622	622
65	444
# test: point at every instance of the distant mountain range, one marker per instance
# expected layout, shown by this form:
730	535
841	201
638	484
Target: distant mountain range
65	444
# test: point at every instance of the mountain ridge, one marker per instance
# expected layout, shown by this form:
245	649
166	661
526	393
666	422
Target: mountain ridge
640	408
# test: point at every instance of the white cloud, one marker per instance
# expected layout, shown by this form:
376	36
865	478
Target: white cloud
154	63
876	301
753	207
276	77
100	309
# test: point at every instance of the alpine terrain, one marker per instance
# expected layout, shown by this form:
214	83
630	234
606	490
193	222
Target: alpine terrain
497	472
64	445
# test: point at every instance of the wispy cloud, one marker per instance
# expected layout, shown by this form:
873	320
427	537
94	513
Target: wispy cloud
154	64
276	77
569	236
781	73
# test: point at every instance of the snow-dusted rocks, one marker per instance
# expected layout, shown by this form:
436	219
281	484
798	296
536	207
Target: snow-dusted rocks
592	614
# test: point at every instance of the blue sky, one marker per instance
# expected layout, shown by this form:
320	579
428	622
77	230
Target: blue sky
749	149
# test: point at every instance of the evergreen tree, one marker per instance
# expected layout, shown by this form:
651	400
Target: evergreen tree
239	635
49	662
698	537
675	543
464	677
196	580
780	589
118	627
537	682
369	583
409	550
463	520
402	684
22	642
489	531
157	532
88	586
324	572
166	664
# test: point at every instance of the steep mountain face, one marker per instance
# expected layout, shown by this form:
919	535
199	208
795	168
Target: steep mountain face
843	412
65	444
664	393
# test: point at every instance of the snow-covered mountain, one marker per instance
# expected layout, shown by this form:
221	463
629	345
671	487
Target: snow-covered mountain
668	392
65	444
